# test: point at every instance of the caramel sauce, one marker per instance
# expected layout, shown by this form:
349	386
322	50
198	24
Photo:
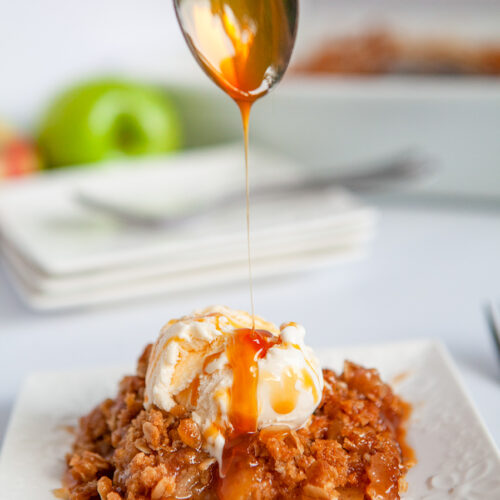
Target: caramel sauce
245	117
195	391
245	348
284	391
284	394
238	473
189	396
218	317
209	359
407	452
309	383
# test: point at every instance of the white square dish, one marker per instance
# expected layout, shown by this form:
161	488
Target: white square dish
456	457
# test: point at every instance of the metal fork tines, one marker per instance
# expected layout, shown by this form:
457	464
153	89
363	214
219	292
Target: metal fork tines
400	168
493	319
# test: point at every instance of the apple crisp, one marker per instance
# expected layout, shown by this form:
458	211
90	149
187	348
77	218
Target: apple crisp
352	448
381	52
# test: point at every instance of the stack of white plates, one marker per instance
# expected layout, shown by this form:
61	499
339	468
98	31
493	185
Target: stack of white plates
62	252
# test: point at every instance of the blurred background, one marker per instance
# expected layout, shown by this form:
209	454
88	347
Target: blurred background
367	80
121	179
383	101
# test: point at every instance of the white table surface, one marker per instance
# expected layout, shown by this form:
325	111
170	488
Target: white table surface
429	275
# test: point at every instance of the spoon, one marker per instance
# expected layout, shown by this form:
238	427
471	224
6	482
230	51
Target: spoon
244	46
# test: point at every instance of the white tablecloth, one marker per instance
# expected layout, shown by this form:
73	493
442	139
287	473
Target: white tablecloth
429	275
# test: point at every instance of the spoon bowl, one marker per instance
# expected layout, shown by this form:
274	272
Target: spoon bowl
244	46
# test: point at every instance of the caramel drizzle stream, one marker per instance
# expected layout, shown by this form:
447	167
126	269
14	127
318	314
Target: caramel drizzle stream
245	115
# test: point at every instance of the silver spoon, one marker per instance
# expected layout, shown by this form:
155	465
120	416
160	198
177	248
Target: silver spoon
244	46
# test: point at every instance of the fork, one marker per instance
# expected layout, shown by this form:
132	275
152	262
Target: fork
403	167
492	311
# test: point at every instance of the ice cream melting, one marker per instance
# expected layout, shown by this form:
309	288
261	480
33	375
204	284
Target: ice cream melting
233	378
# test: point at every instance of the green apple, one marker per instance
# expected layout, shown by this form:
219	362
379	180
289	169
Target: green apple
107	119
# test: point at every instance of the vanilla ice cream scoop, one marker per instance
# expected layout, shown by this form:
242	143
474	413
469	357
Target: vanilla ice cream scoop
234	379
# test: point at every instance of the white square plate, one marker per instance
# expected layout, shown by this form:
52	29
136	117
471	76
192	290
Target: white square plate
456	457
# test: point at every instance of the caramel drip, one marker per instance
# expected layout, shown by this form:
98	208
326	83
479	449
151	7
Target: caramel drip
195	391
210	358
408	453
244	350
309	383
284	394
238	469
245	107
284	391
